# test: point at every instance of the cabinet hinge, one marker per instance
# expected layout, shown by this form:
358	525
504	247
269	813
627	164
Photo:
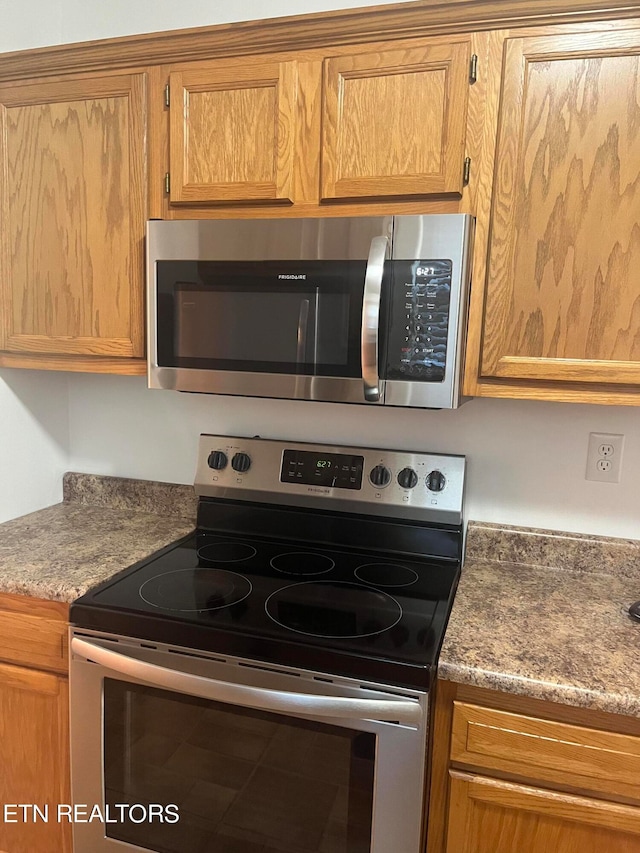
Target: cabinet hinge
466	169
167	95
167	183
473	68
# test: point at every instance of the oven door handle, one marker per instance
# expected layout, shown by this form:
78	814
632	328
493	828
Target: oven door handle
406	711
371	319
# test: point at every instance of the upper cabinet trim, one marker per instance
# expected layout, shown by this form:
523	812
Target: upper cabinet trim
350	26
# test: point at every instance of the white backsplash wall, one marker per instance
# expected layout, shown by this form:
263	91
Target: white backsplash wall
34	440
526	460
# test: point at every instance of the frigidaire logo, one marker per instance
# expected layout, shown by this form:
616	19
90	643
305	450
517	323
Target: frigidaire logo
295	277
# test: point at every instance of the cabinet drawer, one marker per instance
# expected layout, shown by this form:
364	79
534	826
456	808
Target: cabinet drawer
33	640
571	756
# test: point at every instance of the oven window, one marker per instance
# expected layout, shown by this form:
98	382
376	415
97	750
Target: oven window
244	781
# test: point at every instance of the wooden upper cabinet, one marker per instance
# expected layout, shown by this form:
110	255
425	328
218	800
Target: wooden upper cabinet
394	121
303	128
73	205
563	293
232	132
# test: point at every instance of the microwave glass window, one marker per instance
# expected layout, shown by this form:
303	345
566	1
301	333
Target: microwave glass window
237	776
300	317
311	327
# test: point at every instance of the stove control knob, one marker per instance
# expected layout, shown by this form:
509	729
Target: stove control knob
436	481
380	476
217	460
241	462
407	478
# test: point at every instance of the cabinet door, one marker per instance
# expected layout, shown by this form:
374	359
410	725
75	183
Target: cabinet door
73	196
34	760
562	300
394	121
488	816
232	132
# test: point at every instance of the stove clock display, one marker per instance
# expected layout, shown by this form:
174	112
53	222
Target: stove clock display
332	470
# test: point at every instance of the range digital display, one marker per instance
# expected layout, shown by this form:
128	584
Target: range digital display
331	470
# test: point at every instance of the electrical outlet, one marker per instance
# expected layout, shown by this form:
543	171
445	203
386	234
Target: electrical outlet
604	457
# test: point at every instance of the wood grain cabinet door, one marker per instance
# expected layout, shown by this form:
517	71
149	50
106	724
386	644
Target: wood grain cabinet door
34	760
232	132
490	816
563	292
394	121
73	206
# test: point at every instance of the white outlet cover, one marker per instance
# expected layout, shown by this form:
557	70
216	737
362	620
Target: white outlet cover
611	472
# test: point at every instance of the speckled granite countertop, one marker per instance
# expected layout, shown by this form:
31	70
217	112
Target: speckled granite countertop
544	614
537	613
104	525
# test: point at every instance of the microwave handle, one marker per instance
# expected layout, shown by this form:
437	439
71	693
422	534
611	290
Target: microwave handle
406	711
303	324
371	318
301	348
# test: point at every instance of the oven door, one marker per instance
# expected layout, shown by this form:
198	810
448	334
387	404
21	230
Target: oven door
189	751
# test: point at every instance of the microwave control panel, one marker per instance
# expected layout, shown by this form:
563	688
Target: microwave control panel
419	320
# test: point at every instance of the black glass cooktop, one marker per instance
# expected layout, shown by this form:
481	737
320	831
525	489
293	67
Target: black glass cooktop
340	610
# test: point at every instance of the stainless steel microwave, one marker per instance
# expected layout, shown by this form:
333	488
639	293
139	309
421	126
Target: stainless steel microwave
367	310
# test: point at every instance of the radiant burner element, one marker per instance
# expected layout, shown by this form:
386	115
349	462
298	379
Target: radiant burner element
386	574
195	590
333	609
226	552
302	563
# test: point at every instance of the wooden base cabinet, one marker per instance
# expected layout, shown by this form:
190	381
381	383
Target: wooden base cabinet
34	725
34	760
491	816
516	775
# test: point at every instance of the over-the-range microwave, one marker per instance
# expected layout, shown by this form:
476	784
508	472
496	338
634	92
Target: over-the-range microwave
365	310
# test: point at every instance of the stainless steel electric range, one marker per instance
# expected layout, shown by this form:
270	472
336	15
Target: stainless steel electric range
262	685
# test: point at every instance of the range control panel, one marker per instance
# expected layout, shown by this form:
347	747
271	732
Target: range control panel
398	484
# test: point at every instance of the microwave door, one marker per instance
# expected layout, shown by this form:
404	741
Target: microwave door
276	328
373	387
